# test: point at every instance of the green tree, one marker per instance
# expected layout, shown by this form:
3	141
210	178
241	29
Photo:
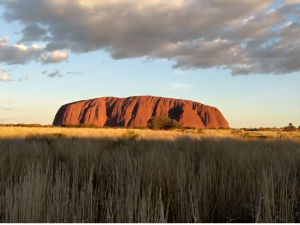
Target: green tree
162	123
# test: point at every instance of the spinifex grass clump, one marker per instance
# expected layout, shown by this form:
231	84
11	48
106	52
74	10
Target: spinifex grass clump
132	180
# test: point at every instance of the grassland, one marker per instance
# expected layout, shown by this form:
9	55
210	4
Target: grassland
141	134
120	175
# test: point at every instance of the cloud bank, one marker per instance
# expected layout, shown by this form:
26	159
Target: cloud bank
249	36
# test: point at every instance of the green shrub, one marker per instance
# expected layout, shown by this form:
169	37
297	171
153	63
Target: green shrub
162	123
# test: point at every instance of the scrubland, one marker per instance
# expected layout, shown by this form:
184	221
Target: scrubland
140	175
25	132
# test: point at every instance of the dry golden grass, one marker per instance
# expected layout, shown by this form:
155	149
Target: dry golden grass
23	132
120	175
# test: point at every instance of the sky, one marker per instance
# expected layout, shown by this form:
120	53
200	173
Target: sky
239	56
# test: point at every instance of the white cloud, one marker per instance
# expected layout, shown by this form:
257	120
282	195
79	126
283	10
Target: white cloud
21	47
55	57
17	53
192	33
4	77
21	53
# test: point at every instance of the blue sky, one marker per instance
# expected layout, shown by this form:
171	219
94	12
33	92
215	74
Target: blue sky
263	96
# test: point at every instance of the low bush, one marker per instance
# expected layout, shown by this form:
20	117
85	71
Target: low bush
290	127
130	134
162	123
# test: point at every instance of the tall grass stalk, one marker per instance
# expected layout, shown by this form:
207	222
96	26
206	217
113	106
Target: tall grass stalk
131	180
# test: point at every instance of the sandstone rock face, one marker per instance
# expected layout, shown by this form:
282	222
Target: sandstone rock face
136	112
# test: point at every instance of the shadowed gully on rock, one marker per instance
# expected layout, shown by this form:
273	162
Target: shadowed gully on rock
136	112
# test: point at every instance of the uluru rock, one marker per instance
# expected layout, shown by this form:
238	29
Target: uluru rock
136	112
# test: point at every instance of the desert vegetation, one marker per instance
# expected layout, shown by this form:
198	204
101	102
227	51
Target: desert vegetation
57	175
162	123
290	127
11	132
